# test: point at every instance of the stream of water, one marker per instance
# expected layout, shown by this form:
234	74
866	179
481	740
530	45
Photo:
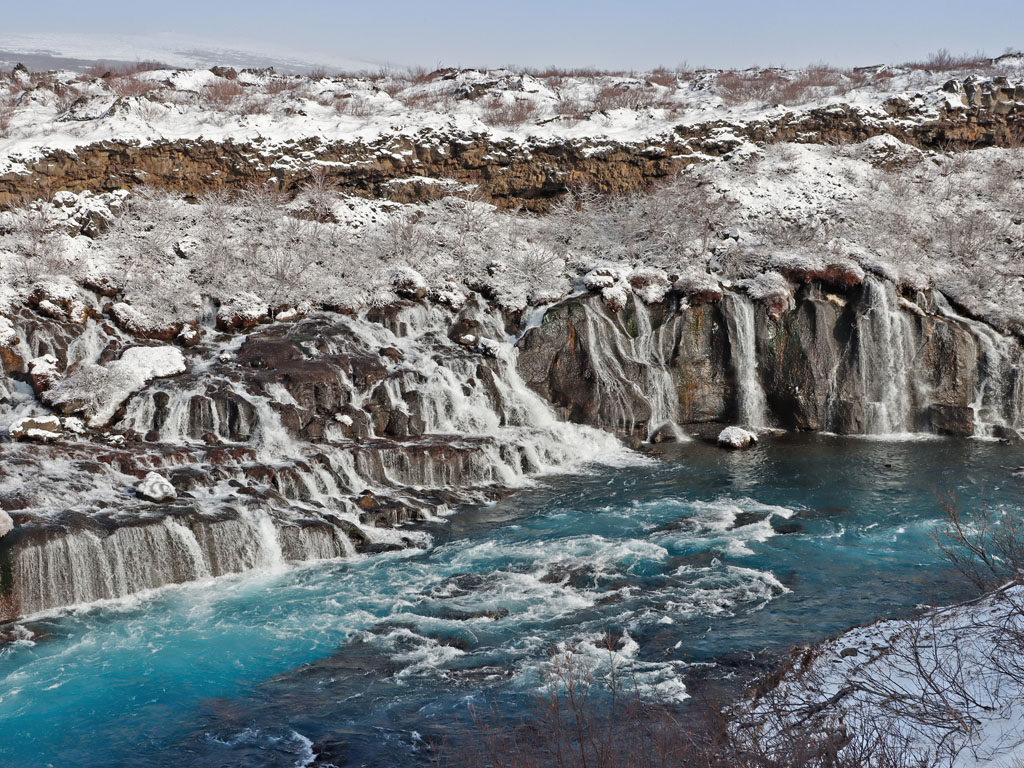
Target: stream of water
687	558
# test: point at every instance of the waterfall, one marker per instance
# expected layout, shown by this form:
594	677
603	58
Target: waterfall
998	402
886	353
620	358
72	567
273	496
751	407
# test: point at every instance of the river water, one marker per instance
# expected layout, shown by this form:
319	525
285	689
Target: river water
692	557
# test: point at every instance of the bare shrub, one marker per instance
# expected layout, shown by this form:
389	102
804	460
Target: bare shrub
987	546
108	70
222	94
353	105
575	719
276	86
578	718
663	76
320	191
944	61
8	105
434	100
508	114
772	86
569	106
624	97
40	244
131	85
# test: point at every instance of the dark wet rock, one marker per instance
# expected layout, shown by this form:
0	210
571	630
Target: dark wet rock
461	584
787	527
577	577
330	752
748	518
454	614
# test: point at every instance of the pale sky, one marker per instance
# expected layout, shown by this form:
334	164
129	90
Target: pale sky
636	35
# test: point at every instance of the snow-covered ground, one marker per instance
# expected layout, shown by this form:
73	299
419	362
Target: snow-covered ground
944	689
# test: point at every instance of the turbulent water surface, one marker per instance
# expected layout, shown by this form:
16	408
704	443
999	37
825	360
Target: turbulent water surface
684	560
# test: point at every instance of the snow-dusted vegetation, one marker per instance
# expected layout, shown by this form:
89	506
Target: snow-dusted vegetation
766	219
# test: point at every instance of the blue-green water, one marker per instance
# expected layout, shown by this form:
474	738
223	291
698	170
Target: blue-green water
684	559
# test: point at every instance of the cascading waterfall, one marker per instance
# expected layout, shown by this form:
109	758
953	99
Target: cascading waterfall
998	403
643	349
70	567
751	405
505	432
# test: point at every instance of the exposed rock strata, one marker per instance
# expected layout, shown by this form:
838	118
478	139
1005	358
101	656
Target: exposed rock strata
511	173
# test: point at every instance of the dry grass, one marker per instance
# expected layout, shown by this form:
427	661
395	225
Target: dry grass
106	70
508	114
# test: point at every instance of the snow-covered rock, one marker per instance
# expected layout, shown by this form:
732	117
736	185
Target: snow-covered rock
156	488
43	428
6	524
97	391
736	437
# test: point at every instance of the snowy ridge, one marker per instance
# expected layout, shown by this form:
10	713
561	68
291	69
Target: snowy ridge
65	110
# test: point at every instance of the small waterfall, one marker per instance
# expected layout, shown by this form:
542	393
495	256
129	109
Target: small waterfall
74	567
998	402
886	353
752	410
620	359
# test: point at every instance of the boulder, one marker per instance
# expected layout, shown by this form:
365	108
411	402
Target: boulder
43	428
156	488
736	438
6	524
951	419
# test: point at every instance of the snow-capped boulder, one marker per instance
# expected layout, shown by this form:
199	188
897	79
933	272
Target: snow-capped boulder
408	283
43	428
98	391
6	524
736	437
242	311
43	373
156	488
650	284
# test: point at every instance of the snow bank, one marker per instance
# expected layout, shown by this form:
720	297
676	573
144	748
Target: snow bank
946	688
